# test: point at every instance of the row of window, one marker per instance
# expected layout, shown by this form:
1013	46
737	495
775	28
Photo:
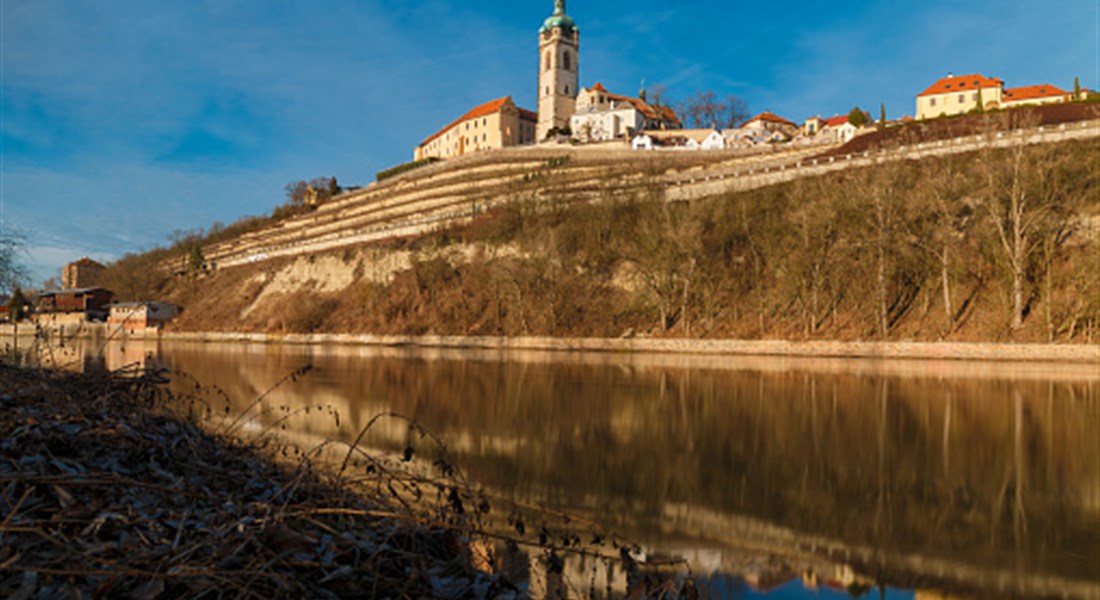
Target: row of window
449	148
484	123
566	61
962	99
963	84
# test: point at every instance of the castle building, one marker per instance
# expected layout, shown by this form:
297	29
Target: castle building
559	58
495	124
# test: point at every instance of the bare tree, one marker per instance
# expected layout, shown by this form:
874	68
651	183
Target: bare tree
13	271
735	112
665	255
1024	201
942	221
704	109
881	192
51	284
656	94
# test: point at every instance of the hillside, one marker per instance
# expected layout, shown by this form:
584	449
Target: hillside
992	245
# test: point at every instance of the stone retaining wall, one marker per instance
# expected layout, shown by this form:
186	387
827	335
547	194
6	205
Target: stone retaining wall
824	349
452	193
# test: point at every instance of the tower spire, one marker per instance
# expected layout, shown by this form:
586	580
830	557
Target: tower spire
559	7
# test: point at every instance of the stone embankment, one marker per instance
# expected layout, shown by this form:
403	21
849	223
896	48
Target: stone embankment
1079	353
454	192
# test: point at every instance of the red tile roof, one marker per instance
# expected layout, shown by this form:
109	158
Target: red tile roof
488	108
528	115
961	82
769	116
87	262
836	121
599	87
650	111
1033	91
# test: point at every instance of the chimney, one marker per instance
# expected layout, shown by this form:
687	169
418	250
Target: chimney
950	74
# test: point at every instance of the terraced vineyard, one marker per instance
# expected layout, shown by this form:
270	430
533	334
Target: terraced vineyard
454	192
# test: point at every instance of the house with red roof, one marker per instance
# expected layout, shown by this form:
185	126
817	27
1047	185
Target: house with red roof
764	128
1033	95
955	95
767	123
495	124
839	129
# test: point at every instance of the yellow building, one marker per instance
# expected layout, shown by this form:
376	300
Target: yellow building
492	125
957	95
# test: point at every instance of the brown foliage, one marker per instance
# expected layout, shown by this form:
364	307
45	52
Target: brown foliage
893	251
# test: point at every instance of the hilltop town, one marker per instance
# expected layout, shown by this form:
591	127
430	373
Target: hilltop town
569	113
507	183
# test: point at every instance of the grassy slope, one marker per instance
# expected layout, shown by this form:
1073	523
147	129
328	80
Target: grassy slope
800	261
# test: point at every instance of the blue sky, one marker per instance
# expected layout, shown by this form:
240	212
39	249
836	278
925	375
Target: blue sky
123	120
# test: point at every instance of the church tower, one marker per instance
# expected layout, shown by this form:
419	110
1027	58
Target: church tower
559	55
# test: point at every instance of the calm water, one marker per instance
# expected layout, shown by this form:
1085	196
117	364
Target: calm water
790	478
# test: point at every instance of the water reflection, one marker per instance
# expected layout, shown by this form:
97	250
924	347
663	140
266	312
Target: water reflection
805	475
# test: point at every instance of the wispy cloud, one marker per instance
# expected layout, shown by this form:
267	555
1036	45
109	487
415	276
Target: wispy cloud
121	120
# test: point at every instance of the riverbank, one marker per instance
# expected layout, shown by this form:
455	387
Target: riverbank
815	349
109	487
962	351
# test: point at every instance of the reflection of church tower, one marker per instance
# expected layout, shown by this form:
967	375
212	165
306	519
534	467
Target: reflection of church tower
559	45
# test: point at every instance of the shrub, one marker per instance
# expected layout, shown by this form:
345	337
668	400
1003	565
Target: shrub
405	168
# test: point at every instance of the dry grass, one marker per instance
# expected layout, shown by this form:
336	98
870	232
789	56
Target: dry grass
113	486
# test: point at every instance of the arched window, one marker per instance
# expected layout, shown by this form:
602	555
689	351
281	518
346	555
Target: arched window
565	60
546	67
566	89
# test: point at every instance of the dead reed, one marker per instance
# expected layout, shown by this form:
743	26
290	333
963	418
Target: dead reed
111	485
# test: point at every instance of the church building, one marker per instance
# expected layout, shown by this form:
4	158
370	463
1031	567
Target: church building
559	68
500	123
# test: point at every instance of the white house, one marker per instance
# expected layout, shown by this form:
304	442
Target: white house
611	123
601	116
839	129
766	123
679	139
712	140
141	315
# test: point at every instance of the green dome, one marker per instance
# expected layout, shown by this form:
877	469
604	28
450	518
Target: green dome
563	21
559	19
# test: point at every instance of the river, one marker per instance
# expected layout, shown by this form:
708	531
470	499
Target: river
792	478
